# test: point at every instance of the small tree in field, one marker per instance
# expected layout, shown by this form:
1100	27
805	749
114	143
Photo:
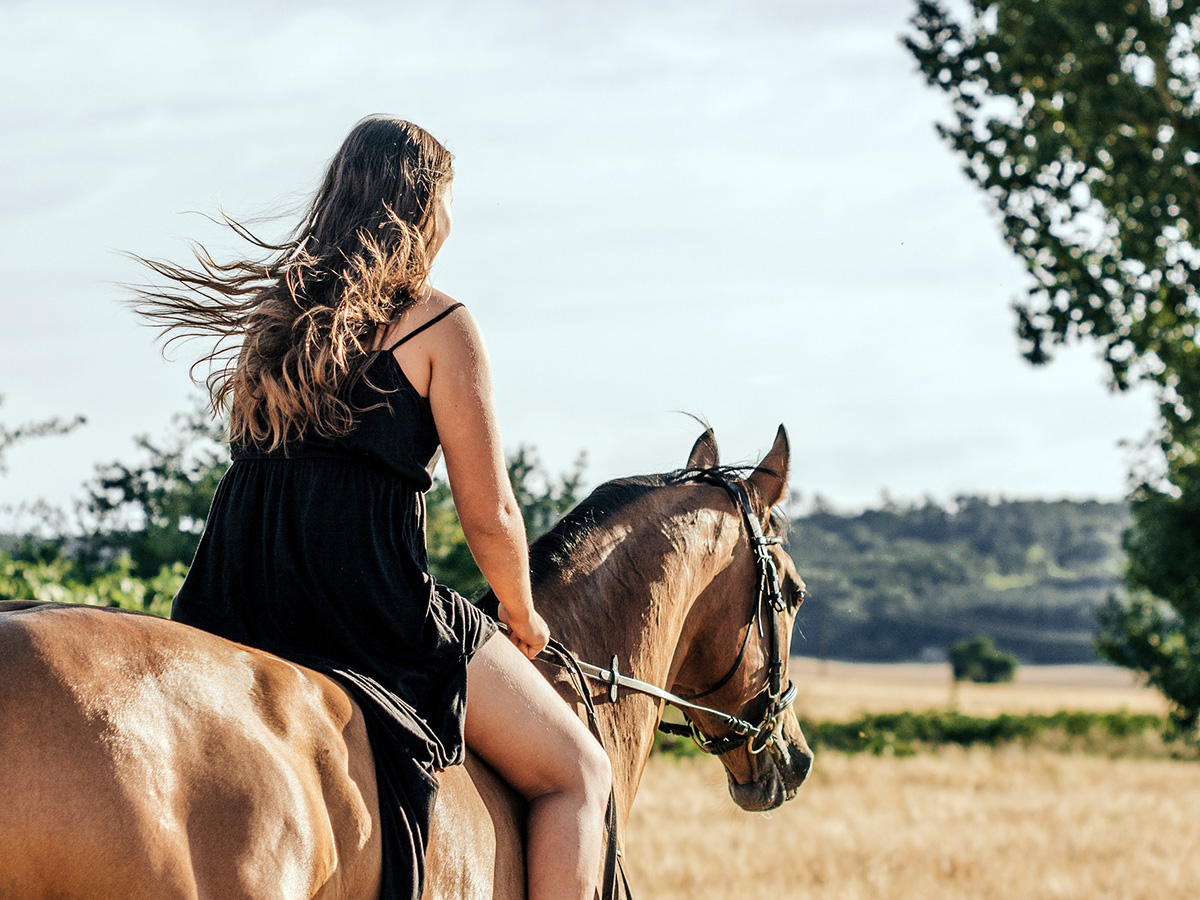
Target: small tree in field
977	659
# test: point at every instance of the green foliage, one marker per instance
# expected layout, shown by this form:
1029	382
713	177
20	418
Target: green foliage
904	733
1155	629
1081	122
61	579
1120	733
977	659
1144	634
154	510
450	559
893	583
543	500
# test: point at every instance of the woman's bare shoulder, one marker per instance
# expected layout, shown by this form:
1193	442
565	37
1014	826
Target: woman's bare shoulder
458	328
431	304
434	304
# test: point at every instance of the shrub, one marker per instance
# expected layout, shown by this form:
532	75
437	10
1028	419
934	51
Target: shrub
62	580
977	659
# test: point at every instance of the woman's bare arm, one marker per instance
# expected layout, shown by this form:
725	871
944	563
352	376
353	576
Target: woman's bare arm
460	395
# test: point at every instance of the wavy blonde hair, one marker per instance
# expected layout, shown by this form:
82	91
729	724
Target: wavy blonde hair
293	329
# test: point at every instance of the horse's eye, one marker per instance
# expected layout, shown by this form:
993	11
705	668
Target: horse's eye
798	597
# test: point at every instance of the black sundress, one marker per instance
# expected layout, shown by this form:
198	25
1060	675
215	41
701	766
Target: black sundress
317	554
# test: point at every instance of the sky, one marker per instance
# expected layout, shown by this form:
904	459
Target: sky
733	210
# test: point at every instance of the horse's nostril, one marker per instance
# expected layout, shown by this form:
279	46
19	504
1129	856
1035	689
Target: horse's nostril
794	766
802	767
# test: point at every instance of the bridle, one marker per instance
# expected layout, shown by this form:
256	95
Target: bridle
769	596
757	735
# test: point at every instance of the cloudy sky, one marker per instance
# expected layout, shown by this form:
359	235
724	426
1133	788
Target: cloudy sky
738	210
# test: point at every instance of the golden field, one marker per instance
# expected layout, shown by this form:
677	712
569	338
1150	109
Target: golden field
837	691
980	823
953	824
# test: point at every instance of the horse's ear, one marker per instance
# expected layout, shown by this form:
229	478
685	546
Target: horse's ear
770	478
704	452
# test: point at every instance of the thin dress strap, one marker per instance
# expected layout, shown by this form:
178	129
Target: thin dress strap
420	328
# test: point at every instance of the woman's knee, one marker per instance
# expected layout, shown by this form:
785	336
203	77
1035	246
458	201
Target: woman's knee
594	769
582	769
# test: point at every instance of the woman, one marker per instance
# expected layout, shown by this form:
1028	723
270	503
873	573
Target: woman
342	371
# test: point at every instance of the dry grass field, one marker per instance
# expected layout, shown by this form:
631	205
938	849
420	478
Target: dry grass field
836	691
1007	823
955	824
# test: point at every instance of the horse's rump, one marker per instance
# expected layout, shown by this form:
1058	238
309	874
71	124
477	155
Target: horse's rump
219	771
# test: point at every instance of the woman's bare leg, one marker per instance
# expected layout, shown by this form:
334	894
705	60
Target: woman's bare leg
523	729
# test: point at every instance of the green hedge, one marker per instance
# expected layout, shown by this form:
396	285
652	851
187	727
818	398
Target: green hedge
905	733
62	580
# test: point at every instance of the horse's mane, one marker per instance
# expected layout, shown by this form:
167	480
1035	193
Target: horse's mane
554	549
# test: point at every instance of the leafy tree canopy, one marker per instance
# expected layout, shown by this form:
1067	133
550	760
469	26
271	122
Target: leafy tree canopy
977	659
154	509
1080	119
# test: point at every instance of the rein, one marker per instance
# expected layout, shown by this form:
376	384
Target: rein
769	594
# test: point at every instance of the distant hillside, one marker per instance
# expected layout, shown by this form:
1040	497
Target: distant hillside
903	583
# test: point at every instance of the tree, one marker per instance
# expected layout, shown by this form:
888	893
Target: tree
154	510
977	659
27	430
1156	629
1080	120
543	500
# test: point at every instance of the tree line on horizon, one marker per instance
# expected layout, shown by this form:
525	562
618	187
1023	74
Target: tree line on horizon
905	582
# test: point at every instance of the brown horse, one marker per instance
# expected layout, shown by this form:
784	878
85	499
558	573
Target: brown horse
145	759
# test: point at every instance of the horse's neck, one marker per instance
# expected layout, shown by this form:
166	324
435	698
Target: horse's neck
628	593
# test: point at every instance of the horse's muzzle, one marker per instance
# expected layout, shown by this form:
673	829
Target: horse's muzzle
779	770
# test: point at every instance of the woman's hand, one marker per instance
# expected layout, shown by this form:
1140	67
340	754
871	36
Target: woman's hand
529	635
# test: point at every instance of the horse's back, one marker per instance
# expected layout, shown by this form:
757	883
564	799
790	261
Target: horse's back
476	846
217	770
146	759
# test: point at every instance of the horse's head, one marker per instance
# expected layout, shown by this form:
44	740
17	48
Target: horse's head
734	652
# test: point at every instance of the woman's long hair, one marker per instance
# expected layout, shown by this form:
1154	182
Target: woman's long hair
293	328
